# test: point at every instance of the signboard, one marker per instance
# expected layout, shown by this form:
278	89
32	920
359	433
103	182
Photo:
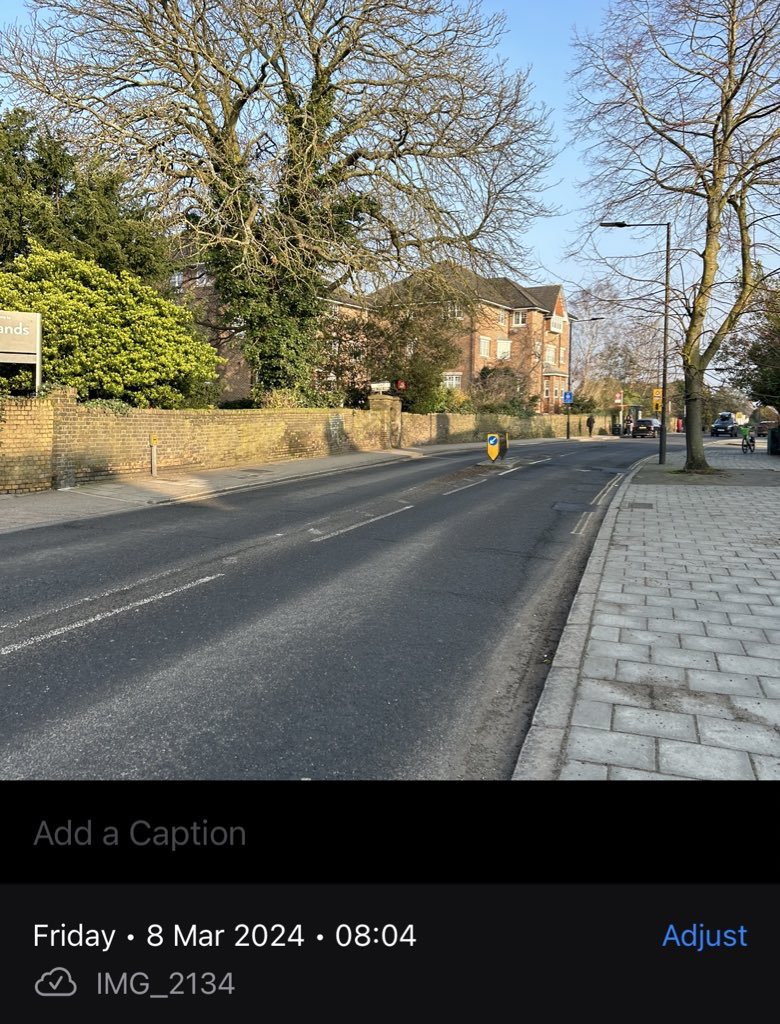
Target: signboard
380	386
497	445
20	340
658	396
619	398
568	397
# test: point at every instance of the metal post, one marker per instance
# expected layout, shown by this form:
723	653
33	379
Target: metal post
568	382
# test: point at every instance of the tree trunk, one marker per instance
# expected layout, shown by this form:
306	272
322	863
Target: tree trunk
694	440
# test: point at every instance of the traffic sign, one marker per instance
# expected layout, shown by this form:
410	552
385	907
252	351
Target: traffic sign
492	447
618	398
568	397
658	395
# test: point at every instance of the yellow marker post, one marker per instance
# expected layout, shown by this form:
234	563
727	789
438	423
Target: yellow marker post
492	447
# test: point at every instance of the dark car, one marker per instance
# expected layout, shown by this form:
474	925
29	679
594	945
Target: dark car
646	428
724	424
763	428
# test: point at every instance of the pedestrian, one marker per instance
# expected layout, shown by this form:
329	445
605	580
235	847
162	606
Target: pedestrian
629	424
591	423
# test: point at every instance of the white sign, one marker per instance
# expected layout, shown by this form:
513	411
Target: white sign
20	340
619	398
380	386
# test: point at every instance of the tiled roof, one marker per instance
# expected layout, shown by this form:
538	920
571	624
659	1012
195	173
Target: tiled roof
500	291
546	295
513	295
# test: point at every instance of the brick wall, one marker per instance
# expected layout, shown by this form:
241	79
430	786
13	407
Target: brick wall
55	442
26	435
442	428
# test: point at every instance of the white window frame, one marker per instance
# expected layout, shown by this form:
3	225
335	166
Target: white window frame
555	391
484	344
548	348
556	324
519	318
452	380
455	311
503	344
177	280
546	389
501	317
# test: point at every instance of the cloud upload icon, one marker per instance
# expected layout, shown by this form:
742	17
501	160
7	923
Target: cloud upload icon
56	982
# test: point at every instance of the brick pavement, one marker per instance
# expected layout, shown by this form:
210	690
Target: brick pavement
669	666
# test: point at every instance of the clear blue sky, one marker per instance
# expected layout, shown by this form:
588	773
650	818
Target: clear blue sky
539	36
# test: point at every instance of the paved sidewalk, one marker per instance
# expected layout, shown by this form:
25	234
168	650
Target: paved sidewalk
669	665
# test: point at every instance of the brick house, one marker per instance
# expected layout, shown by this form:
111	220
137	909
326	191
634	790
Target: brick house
504	324
195	285
521	327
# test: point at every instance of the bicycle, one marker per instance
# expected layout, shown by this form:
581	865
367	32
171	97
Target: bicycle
748	443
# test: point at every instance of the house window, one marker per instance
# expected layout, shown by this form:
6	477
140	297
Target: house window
555	391
546	389
452	380
501	317
484	347
455	311
202	278
549	353
556	324
563	357
177	279
503	348
519	318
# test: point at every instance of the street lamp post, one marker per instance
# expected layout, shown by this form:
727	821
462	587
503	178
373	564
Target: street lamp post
667	295
572	321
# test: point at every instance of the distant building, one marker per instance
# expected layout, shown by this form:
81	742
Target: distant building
525	328
504	324
197	285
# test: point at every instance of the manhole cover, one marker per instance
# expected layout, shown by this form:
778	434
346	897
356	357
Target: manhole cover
640	504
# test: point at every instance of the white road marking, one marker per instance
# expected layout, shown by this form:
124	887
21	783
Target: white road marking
514	469
92	597
465	487
32	640
356	526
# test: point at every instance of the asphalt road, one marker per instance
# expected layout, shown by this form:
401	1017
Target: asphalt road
391	623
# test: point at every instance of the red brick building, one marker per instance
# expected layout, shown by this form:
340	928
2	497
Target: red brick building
504	324
525	328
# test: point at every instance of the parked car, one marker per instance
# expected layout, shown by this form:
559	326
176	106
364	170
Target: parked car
646	428
763	428
724	424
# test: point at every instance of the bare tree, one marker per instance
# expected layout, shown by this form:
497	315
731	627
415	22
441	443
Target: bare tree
682	100
341	136
622	350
